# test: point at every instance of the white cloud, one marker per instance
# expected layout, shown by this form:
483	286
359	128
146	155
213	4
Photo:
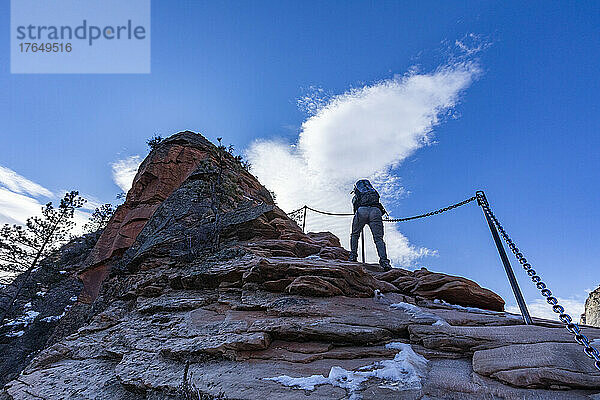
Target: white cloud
15	208
80	217
541	309
91	202
363	133
124	171
20	198
590	290
19	184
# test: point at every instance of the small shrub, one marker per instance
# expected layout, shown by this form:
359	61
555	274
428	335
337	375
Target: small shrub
154	141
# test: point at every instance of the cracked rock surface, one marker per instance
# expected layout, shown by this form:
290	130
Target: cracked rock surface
219	286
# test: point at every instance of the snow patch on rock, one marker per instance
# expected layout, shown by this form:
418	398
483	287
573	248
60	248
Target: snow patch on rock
418	312
477	310
403	372
21	322
24	319
52	318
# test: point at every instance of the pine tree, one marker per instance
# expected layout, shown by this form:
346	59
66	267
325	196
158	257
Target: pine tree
99	218
21	248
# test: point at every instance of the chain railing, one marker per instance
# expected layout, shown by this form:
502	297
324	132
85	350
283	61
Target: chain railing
429	214
299	216
565	318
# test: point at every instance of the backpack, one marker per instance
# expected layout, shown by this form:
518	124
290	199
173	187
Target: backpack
366	195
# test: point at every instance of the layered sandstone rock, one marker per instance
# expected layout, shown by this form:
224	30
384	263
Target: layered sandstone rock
219	286
453	289
236	339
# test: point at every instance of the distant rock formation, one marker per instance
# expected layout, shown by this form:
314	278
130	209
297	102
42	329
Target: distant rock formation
592	309
201	281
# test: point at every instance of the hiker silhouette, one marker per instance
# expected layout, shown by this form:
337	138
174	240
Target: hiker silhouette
368	210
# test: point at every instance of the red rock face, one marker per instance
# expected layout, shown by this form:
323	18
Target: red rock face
92	279
156	179
159	175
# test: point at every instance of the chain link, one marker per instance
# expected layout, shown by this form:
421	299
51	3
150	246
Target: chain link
429	214
329	213
565	318
297	215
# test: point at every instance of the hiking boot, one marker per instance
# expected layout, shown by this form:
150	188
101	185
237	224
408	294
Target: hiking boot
385	265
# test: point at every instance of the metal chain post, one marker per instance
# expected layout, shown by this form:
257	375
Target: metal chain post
512	280
362	237
304	220
565	318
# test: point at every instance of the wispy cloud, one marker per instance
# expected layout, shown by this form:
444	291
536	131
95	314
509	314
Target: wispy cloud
472	44
541	309
19	184
15	208
123	172
20	198
363	133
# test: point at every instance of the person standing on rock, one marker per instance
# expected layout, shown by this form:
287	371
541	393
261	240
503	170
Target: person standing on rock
368	210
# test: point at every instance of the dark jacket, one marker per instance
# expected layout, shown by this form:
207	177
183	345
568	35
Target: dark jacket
357	203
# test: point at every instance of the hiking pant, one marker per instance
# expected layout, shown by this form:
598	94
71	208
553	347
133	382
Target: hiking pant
368	216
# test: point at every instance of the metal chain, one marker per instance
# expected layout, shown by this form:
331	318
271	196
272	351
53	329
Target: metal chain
565	318
441	210
329	213
296	211
297	214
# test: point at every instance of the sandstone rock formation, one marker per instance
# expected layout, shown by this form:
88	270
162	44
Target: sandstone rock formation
218	290
158	176
592	308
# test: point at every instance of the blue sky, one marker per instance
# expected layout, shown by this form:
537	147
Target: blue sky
524	130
